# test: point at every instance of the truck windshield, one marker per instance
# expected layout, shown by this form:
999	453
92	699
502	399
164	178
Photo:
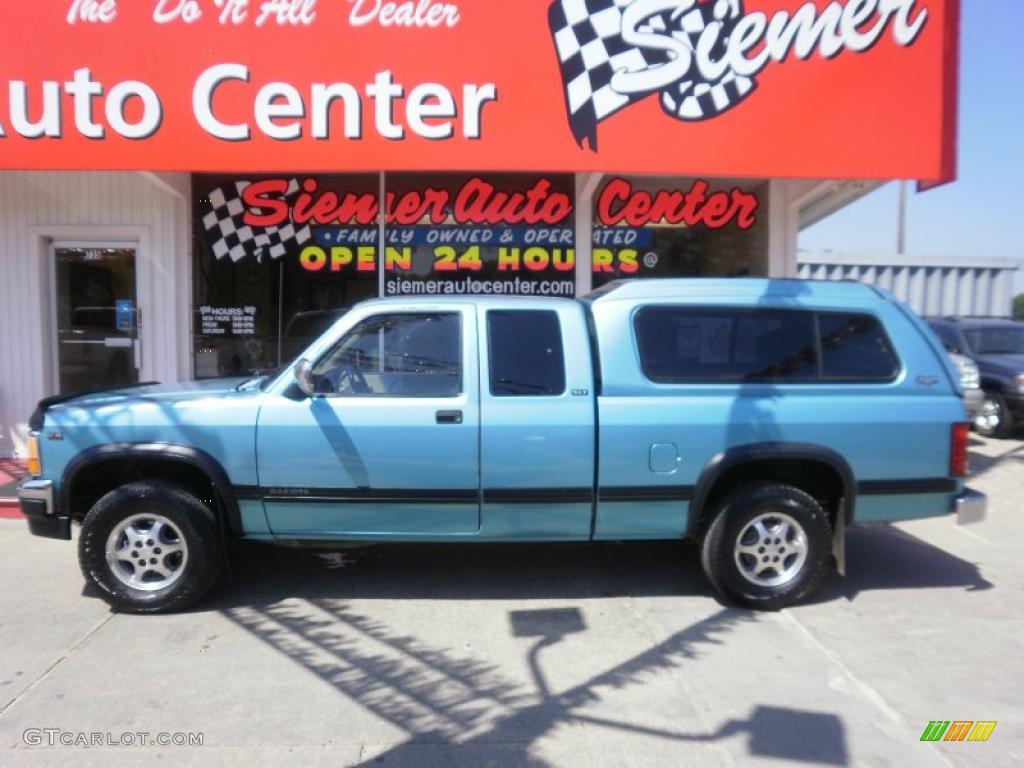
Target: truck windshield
996	341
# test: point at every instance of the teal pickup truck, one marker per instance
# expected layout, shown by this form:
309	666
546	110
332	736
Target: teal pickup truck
760	417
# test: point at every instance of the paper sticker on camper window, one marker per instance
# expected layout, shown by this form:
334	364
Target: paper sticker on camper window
687	341
715	339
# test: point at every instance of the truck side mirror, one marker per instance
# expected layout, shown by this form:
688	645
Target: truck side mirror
303	373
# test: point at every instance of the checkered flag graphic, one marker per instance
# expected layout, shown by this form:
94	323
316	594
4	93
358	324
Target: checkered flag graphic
231	236
588	40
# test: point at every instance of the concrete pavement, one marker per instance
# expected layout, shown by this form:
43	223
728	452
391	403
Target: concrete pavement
555	655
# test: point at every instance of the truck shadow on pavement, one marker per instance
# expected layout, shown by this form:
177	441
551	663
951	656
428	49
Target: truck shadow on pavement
886	557
981	463
467	572
878	557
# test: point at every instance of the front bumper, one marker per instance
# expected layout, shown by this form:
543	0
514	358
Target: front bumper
36	499
970	507
973	398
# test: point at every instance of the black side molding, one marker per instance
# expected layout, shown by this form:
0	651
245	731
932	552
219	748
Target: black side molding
419	495
366	495
247	492
538	495
647	493
907	487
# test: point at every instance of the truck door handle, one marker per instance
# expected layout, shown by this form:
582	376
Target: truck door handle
449	417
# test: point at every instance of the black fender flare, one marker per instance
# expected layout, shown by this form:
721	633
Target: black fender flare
750	452
181	454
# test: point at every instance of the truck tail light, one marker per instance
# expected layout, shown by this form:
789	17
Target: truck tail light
958	450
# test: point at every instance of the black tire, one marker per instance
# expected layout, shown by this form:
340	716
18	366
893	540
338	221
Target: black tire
1000	425
196	528
731	519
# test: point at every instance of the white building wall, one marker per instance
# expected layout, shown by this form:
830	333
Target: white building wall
788	201
38	206
931	286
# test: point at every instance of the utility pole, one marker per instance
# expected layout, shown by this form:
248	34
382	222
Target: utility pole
901	226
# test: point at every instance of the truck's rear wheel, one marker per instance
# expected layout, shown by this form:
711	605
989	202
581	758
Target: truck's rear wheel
768	546
150	547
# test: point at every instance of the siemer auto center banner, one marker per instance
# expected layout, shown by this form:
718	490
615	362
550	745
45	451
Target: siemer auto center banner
449	233
755	88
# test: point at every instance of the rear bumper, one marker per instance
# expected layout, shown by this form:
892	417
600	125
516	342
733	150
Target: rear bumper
36	500
970	507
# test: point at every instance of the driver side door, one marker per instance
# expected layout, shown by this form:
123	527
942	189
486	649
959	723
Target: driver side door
388	446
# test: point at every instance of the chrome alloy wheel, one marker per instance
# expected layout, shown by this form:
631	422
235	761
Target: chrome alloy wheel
989	417
771	550
146	552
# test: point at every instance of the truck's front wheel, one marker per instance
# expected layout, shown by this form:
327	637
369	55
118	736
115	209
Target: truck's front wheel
768	546
994	419
150	547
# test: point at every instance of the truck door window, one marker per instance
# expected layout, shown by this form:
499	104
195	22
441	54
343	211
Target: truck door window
526	357
395	355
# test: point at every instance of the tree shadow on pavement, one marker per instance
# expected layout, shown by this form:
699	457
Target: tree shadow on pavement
461	711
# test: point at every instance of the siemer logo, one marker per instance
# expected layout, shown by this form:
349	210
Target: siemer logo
701	56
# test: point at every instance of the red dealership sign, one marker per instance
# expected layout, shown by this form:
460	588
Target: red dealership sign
830	88
619	203
476	202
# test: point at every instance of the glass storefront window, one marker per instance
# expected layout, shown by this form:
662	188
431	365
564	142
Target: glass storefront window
679	227
276	260
456	234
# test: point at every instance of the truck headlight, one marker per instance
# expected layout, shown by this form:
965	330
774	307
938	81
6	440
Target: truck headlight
1018	382
33	464
970	378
